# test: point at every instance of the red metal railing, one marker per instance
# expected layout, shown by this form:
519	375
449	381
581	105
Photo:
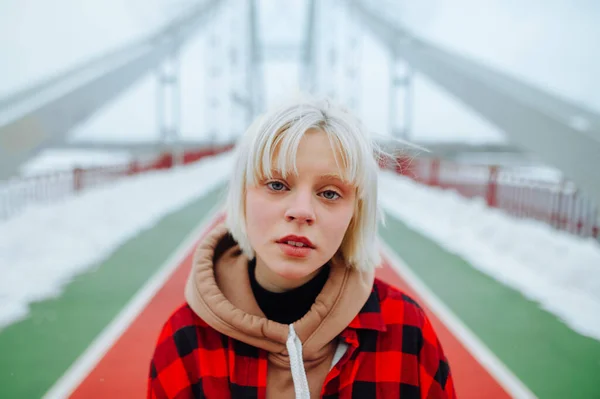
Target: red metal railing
17	193
558	203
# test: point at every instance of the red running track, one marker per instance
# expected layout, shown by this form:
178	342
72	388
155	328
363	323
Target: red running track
123	371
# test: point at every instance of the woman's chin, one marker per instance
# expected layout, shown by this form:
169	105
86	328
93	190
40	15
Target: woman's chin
293	272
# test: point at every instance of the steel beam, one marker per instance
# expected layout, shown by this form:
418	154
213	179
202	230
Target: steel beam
563	134
308	78
47	122
256	82
134	147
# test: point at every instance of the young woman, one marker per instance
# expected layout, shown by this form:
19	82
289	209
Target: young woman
282	301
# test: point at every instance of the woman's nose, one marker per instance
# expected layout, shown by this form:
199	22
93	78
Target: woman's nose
301	209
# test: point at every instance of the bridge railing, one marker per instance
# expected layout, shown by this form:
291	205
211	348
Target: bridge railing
558	202
17	193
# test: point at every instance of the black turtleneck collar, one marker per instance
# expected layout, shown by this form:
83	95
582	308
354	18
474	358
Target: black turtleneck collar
287	307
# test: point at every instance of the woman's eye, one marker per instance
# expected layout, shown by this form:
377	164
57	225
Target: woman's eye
276	185
330	195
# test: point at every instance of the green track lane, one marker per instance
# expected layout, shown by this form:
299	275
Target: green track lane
37	351
543	352
550	358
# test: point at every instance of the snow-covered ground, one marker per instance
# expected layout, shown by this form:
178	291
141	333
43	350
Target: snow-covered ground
67	160
548	44
45	246
559	271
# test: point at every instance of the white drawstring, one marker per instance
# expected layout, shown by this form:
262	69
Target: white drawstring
294	348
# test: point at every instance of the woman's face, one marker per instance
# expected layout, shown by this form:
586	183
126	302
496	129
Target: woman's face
296	225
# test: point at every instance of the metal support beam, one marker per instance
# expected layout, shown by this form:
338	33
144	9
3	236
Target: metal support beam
256	82
214	84
282	52
331	63
48	83
352	62
168	106
137	147
401	94
563	134
308	78
236	68
448	149
43	116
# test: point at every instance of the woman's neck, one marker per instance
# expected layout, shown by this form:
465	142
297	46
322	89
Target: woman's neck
275	283
288	306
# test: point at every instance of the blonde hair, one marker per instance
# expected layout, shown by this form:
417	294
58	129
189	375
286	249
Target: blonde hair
278	134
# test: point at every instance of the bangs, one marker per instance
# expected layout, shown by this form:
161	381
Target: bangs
276	153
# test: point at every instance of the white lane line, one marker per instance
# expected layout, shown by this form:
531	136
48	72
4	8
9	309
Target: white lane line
111	333
478	349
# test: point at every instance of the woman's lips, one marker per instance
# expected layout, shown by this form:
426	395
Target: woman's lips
292	250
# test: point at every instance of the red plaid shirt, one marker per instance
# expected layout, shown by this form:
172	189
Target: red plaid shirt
393	352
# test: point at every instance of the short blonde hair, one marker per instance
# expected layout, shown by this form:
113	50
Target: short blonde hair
278	134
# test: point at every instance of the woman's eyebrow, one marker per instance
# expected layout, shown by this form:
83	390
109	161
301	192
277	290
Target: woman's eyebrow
334	176
330	176
326	176
277	173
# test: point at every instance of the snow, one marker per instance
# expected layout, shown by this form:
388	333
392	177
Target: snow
563	278
43	248
558	271
545	43
67	160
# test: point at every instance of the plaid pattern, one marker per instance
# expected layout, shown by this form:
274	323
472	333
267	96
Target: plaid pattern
393	352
